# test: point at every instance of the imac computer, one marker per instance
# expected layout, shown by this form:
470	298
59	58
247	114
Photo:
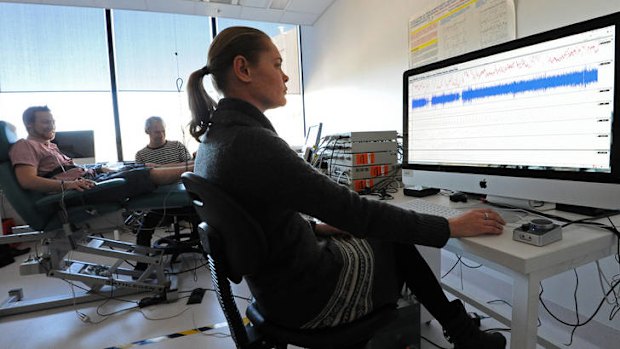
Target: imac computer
78	145
531	120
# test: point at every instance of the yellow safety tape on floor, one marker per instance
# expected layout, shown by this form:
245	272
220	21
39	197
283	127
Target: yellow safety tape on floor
173	335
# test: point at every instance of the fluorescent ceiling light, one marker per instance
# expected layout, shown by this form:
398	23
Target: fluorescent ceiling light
279	4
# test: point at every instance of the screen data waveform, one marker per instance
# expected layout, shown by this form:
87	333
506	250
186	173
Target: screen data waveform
580	78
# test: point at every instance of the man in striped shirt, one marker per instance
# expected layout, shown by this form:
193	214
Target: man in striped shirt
160	150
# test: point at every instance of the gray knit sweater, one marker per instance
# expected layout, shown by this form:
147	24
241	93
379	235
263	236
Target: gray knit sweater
242	153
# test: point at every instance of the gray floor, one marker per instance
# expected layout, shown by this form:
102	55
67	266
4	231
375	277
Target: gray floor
110	326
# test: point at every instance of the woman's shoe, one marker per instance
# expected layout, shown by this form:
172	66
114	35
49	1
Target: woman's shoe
463	332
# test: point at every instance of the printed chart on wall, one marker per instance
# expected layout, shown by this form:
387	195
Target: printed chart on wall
459	26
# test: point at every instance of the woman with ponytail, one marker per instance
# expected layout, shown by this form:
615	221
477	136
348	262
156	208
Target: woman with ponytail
330	274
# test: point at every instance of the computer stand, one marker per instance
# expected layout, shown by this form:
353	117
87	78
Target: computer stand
520	203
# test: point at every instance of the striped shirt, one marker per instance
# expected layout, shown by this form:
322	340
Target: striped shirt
170	152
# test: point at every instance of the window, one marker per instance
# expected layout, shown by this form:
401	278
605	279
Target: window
155	54
57	56
288	120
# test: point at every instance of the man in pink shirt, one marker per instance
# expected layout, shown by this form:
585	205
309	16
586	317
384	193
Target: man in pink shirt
39	165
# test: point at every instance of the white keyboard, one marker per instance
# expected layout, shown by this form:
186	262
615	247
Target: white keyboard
423	206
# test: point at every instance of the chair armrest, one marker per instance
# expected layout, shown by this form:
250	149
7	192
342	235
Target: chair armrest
72	194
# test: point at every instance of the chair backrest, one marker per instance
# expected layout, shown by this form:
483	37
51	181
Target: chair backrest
234	237
23	201
234	245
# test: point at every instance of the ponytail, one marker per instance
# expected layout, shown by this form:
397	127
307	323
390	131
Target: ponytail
229	43
201	104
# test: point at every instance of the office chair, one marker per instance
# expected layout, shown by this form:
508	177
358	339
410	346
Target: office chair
235	245
176	243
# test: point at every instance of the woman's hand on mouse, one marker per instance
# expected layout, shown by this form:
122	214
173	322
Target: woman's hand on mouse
476	222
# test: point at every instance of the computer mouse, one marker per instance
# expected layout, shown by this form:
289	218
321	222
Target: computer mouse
458	197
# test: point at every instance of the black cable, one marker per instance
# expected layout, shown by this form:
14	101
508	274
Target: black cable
565	220
206	289
104	296
538	322
460	260
188	270
471	266
614	310
586	220
452	267
249	300
498	329
572	332
598	308
386	185
500	301
330	168
617	256
115	312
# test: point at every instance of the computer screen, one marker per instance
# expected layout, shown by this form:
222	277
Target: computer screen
531	119
78	145
313	137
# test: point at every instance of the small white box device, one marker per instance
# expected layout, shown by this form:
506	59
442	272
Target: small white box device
538	232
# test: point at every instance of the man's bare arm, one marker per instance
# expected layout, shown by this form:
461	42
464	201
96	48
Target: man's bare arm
28	179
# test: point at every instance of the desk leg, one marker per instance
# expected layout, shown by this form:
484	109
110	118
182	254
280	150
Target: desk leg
524	312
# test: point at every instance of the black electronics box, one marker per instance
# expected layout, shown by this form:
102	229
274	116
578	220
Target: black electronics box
420	192
403	332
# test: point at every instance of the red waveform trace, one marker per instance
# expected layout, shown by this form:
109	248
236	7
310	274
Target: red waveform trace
492	71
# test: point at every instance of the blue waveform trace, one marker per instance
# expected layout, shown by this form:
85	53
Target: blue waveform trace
445	98
579	78
419	103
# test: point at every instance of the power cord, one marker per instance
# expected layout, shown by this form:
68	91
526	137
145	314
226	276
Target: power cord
579	323
459	260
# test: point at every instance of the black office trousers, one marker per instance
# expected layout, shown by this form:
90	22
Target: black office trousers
398	264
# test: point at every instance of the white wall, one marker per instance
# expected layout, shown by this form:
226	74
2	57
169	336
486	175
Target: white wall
353	60
535	16
355	54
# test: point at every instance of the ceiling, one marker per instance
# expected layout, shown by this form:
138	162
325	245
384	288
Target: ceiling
302	12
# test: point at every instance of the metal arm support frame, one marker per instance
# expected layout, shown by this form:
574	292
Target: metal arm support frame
99	281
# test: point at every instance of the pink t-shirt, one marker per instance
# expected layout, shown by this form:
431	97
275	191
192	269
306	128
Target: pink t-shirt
45	157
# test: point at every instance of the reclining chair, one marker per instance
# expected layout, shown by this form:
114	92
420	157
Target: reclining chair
235	246
62	228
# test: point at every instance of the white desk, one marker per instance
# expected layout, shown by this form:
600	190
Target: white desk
527	265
